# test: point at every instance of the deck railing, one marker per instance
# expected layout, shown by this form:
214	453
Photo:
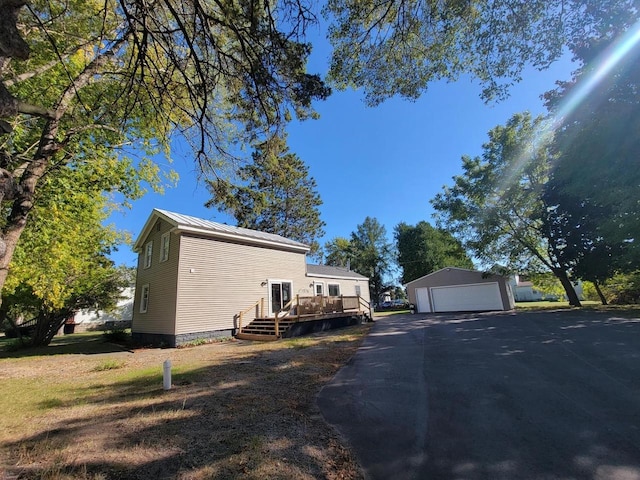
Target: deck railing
302	307
259	307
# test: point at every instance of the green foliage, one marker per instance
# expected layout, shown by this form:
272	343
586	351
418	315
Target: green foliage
62	264
547	284
423	249
106	87
372	254
367	252
337	252
401	46
623	289
497	207
595	183
16	344
275	195
117	335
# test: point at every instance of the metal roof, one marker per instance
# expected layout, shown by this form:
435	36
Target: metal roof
191	224
333	272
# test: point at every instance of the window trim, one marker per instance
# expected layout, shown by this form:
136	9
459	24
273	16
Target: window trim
148	254
165	241
144	298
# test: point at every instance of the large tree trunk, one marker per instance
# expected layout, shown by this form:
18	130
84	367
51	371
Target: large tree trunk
49	324
572	296
603	299
23	201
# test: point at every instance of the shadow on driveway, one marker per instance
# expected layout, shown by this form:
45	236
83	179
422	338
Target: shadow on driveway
536	395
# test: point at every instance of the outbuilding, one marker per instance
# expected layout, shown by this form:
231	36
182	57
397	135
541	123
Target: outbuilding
454	289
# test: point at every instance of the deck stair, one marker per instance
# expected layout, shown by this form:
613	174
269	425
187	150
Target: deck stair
265	329
299	309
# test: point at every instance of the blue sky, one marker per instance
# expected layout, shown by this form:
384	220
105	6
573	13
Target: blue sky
385	162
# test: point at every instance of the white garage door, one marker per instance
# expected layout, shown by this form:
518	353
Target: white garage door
467	298
422	300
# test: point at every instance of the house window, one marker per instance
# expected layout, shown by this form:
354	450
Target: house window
358	293
319	288
334	290
148	254
164	247
144	298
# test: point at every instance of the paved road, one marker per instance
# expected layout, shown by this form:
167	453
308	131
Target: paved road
544	395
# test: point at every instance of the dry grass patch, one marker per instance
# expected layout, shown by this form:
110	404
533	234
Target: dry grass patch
237	410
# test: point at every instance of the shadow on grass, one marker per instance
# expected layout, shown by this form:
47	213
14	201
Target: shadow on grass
251	415
79	344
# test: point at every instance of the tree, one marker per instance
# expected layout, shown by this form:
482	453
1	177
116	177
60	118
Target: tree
595	182
79	79
62	264
423	249
372	254
338	252
400	46
497	207
275	194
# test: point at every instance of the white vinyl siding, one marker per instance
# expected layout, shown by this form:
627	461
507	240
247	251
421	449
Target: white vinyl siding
144	298
164	247
148	254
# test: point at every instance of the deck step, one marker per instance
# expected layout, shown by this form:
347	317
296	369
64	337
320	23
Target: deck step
264	329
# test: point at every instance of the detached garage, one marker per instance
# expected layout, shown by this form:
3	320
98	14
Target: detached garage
460	290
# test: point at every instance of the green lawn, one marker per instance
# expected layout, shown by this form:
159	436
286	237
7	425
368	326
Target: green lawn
586	304
76	343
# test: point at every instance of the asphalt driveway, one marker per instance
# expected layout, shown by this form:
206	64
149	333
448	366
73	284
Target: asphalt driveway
542	395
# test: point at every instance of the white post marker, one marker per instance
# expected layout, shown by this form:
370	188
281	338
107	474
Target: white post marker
166	375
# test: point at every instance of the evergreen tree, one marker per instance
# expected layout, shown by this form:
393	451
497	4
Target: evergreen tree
372	254
275	194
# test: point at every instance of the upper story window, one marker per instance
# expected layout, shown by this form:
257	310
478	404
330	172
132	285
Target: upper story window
148	254
164	247
334	290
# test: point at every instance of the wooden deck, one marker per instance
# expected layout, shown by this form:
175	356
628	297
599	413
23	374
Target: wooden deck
301	310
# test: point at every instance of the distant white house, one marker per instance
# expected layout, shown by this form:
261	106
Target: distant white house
95	320
525	291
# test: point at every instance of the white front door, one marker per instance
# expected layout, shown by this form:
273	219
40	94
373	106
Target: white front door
422	300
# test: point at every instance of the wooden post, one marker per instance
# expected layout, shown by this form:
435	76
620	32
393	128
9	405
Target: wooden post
277	325
262	307
298	306
341	303
240	322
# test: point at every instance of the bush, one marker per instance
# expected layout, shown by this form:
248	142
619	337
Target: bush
117	335
623	289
